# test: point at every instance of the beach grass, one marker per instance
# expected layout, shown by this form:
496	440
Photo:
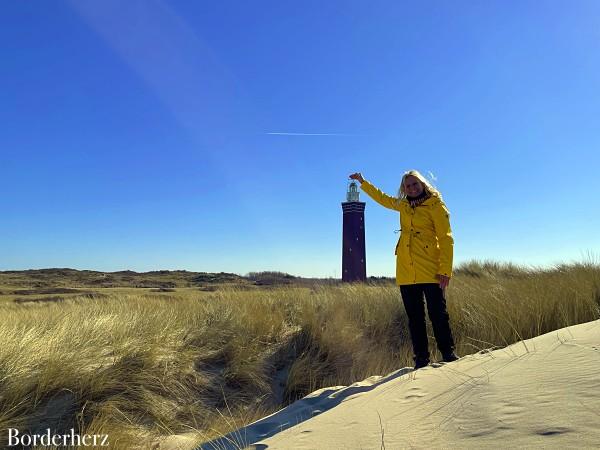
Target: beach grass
140	365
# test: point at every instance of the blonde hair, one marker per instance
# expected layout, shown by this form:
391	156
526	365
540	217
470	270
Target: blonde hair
427	186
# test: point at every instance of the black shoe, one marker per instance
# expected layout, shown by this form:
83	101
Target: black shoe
449	357
421	362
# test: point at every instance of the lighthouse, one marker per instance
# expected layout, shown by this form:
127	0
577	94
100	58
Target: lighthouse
354	259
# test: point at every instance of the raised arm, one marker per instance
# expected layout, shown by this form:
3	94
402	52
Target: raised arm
380	197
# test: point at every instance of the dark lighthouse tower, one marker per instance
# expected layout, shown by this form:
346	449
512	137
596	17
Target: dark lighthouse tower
354	259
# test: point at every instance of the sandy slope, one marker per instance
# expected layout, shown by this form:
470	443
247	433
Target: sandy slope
540	393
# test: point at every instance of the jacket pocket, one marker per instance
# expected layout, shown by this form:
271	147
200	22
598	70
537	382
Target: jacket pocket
432	251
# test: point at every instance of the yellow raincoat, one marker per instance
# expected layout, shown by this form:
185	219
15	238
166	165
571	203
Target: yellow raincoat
425	246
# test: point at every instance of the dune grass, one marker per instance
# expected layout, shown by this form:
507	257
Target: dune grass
138	367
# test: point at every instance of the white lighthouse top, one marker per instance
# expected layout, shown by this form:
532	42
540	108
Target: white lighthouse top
352	194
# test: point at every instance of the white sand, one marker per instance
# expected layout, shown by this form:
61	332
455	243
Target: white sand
539	393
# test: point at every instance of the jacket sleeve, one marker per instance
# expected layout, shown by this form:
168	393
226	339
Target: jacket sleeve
441	222
380	197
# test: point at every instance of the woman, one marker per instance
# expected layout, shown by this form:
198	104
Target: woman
423	259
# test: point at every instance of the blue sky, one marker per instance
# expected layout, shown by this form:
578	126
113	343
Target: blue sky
143	135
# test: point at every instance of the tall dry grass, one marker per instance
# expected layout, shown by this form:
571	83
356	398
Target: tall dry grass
139	367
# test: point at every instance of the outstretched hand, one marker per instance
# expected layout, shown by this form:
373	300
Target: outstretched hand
357	176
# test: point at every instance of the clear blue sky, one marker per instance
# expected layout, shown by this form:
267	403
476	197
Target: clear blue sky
139	134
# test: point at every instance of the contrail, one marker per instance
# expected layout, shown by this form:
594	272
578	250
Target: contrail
311	134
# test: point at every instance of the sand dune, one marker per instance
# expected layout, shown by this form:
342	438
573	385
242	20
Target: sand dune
539	393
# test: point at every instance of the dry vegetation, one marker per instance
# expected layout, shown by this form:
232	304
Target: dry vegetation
138	365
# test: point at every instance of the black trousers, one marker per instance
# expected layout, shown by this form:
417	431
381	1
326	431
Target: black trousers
412	296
